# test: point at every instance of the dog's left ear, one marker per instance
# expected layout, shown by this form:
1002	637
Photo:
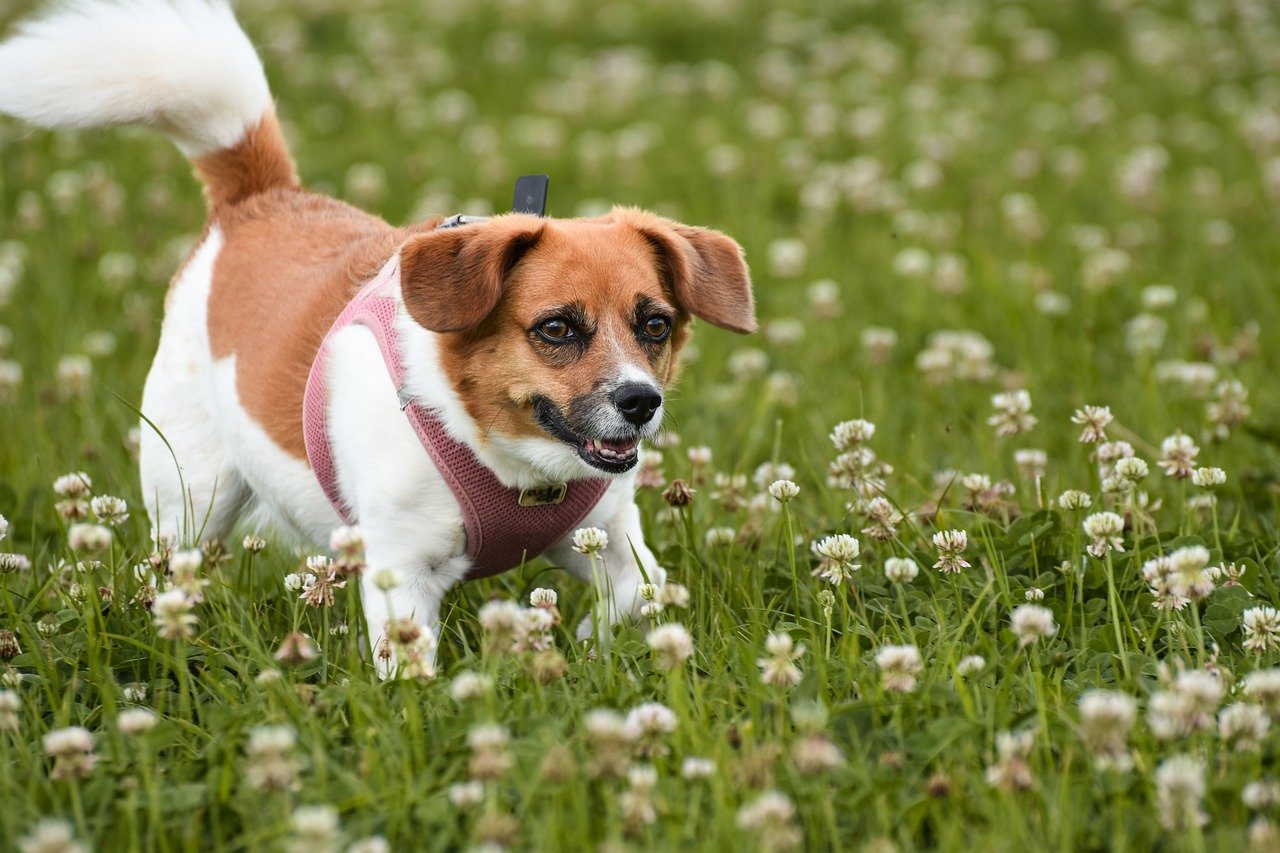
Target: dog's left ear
452	278
706	272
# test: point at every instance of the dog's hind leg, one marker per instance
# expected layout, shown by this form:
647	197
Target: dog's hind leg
190	487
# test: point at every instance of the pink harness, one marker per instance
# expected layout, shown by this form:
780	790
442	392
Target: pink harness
504	526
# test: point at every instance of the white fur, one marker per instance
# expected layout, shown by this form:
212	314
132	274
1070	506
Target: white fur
182	66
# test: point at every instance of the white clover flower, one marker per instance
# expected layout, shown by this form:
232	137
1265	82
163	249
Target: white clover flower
253	543
1074	499
673	595
1013	413
500	617
720	536
590	540
838	555
879	342
778	669
770	819
783	491
1012	769
89	537
72	751
883	518
109	510
1106	717
900	569
650	719
10	563
1105	529
1243	726
1263	687
347	541
950	545
694	767
1132	470
74	485
605	727
470	685
747	363
848	435
314	828
1031	462
1180	791
671	644
294	582
136	721
488	736
1187	706
10	705
173	617
542	597
4	527
1156	297
786	256
1261	794
971	665
1032	622
1034	595
1177	456
1208	478
466	795
67	741
1188	576
50	835
699	456
899	666
1261	627
372	844
1095	420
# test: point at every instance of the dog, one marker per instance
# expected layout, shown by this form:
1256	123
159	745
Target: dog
535	351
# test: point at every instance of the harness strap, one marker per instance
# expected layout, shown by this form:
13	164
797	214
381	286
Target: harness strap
504	526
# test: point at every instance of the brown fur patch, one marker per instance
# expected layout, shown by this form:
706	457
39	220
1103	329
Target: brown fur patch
290	262
259	162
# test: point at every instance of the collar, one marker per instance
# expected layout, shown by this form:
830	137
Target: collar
505	527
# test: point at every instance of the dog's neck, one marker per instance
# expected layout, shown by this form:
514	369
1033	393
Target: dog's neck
519	462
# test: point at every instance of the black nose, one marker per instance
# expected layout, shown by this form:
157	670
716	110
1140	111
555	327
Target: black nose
637	402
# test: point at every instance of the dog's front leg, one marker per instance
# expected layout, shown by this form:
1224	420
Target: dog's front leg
416	597
619	571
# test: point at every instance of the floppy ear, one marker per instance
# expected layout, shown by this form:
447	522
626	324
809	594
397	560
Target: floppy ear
706	272
451	278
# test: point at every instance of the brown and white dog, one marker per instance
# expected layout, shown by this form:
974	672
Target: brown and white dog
544	345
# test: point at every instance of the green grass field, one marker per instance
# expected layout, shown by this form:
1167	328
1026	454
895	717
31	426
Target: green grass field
941	202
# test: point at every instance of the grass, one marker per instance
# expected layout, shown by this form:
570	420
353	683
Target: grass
1023	172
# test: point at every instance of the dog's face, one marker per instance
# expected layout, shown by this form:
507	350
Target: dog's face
569	330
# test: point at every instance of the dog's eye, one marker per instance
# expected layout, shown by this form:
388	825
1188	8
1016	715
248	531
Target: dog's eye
657	328
555	330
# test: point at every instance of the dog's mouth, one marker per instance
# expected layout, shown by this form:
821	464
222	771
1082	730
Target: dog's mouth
611	455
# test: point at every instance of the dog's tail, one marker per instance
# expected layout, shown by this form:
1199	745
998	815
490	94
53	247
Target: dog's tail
183	67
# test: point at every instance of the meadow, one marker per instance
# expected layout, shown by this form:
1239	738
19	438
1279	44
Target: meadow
975	544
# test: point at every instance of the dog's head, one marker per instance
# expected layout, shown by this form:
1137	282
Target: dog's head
569	330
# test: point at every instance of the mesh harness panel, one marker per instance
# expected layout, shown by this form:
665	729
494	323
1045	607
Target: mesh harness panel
501	532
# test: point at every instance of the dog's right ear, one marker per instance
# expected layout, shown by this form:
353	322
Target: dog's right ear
452	278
